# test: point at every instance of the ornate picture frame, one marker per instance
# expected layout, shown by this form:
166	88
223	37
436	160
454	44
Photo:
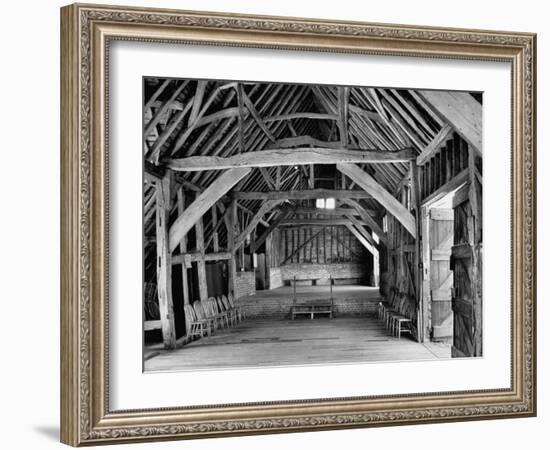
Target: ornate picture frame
86	33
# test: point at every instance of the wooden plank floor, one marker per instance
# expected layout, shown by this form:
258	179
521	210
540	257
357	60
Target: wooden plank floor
272	342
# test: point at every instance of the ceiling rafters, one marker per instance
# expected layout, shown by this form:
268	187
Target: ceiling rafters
202	120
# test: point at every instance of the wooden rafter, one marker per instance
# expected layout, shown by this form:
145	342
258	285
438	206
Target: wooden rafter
203	202
361	238
343	98
459	109
197	102
156	94
434	145
162	110
252	109
389	202
366	216
359	226
283	214
264	209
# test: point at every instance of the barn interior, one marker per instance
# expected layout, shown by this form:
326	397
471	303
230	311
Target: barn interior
296	223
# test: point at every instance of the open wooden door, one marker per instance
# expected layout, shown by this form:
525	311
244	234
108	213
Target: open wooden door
441	225
466	260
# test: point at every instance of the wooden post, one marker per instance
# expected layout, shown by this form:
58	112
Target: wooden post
415	201
164	263
474	233
215	244
294	284
183	249
426	294
201	265
232	264
268	262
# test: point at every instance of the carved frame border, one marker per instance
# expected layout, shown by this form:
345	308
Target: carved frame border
86	31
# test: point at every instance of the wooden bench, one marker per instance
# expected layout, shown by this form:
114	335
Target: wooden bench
293	282
311	309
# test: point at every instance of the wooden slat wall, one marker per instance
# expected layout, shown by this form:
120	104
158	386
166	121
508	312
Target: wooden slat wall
322	246
445	164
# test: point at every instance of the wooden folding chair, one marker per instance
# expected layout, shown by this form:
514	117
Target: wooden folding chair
239	309
195	326
220	317
230	313
401	323
202	315
236	316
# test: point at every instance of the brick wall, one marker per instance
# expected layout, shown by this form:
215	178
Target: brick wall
278	306
245	284
346	273
275	278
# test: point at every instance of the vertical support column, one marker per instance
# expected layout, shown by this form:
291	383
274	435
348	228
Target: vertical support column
183	249
415	202
237	232
201	267
426	294
215	242
232	264
268	260
376	266
164	263
474	233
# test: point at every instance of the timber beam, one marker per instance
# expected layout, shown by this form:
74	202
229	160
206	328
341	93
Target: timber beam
318	222
264	209
367	217
203	203
459	109
388	201
359	226
188	258
283	214
435	144
361	239
307	194
290	157
325	212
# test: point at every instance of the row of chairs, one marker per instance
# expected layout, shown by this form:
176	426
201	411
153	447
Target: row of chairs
396	315
204	317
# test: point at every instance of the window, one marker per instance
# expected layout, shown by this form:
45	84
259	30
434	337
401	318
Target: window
325	203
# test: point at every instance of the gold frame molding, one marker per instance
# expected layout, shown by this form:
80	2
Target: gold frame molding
86	31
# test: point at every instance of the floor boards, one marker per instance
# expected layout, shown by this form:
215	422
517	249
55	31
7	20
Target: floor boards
276	342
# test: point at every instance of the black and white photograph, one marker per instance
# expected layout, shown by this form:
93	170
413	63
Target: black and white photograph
297	224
